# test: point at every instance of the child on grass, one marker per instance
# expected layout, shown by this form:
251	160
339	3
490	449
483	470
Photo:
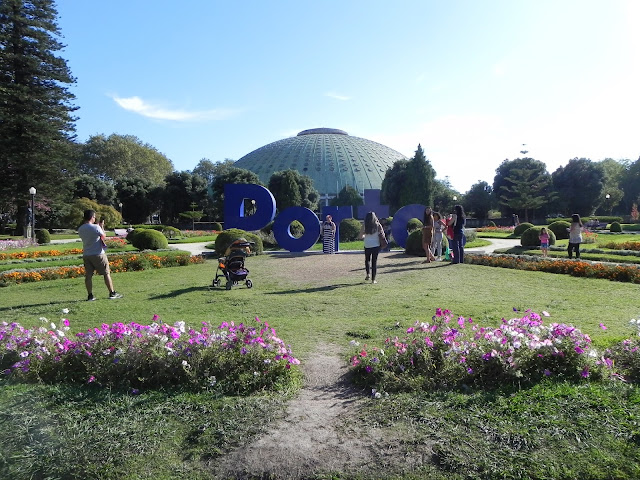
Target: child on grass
544	241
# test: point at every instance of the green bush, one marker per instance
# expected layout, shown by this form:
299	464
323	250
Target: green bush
296	229
349	229
530	238
560	229
227	237
170	232
615	227
414	244
470	234
414	224
147	239
132	234
216	226
523	227
42	236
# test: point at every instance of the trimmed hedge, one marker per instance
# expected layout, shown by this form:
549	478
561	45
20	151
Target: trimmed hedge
523	227
227	237
350	229
531	237
615	227
147	239
560	229
43	237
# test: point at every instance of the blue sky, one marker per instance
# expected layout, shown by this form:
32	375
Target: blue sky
471	81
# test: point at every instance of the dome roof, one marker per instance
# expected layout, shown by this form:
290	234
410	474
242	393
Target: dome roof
331	157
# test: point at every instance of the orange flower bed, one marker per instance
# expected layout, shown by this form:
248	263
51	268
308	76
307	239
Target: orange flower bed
576	268
38	254
118	263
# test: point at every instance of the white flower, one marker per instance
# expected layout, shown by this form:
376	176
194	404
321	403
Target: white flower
65	310
53	326
256	374
180	326
43	319
353	343
633	321
185	364
377	395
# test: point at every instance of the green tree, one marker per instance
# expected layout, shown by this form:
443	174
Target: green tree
631	186
612	194
579	186
91	187
479	200
229	175
444	195
521	185
123	156
36	111
180	191
347	196
209	170
419	186
139	198
393	184
291	189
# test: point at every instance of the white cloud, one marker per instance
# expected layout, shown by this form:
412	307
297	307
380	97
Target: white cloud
151	110
337	96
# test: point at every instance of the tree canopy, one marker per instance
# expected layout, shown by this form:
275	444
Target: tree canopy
291	189
479	200
182	189
579	185
123	156
522	185
36	111
347	196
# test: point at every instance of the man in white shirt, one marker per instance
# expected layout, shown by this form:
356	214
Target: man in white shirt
94	256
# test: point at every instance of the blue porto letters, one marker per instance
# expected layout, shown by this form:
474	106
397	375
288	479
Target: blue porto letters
264	212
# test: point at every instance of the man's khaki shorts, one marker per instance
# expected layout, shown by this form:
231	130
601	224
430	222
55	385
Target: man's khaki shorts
98	263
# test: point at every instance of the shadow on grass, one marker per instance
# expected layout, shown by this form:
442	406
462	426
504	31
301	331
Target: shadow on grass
182	291
324	288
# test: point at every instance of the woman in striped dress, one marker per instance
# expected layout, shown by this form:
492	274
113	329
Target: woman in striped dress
328	235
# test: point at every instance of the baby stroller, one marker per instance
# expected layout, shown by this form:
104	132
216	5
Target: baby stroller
231	266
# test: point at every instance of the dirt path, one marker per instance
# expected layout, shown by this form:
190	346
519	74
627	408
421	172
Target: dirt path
308	440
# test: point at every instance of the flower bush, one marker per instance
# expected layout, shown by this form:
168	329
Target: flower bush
495	229
198	233
119	263
635	246
21	255
451	352
576	268
10	244
229	358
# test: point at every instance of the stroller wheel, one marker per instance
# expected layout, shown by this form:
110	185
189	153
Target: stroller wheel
249	283
217	282
229	285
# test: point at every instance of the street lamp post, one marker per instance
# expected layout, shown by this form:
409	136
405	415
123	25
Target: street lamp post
32	220
607	198
120	205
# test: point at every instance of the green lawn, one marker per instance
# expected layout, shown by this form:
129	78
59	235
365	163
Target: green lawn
550	431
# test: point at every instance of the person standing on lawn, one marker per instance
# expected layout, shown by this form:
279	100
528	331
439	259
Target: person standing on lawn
94	256
371	233
575	235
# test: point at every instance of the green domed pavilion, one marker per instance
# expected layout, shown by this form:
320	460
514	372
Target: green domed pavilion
331	157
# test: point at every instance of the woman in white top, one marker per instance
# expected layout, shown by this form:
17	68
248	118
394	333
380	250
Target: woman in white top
575	235
371	235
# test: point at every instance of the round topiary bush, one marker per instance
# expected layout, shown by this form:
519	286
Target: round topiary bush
43	237
414	244
615	227
530	237
147	239
414	224
227	237
132	234
170	232
523	227
296	229
216	226
349	229
560	229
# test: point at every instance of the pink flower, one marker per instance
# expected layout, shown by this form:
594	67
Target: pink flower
603	326
91	379
66	322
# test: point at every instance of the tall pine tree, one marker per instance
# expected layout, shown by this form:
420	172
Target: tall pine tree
419	186
36	119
